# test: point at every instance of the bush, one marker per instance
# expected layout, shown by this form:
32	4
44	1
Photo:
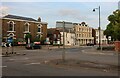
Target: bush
107	48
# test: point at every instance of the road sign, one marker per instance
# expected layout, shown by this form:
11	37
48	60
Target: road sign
109	38
10	40
47	39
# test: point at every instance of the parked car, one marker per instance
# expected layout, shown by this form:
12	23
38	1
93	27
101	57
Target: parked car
33	46
90	44
37	46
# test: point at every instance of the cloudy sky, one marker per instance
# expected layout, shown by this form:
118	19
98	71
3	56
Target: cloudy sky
62	11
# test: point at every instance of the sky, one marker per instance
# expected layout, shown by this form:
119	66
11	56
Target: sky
51	12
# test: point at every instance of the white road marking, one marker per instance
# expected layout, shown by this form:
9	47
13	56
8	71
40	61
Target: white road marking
19	59
11	59
33	63
83	50
3	66
26	58
98	53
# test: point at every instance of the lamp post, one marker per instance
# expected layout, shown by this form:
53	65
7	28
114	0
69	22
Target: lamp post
99	28
63	54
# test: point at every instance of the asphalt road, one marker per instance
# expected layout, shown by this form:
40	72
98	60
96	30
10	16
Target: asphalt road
33	63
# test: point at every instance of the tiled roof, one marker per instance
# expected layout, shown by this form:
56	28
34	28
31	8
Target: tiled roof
19	17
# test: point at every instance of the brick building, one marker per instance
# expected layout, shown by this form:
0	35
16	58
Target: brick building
54	35
18	26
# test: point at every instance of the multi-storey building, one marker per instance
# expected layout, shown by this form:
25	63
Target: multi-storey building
69	37
18	27
83	33
103	38
68	32
54	36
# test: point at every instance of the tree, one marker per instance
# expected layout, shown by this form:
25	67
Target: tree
27	37
113	28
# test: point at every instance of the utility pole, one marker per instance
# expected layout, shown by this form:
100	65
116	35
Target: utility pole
63	54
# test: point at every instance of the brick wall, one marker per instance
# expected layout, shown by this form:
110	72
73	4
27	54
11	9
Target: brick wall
20	27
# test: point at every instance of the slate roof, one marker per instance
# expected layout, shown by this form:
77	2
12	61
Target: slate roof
51	30
19	17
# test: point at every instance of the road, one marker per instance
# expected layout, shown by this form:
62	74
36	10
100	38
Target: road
34	63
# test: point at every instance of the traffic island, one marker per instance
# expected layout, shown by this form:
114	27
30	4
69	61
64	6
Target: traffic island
81	63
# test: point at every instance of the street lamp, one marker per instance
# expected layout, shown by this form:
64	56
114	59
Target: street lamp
99	28
63	54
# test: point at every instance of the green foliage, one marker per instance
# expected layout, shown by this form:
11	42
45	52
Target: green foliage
113	28
15	41
28	36
36	39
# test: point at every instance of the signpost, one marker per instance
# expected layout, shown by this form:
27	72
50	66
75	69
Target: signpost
10	43
58	42
109	38
47	42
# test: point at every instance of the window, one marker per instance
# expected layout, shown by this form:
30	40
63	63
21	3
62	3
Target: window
54	35
58	35
38	36
11	26
10	35
77	35
39	29
96	37
27	27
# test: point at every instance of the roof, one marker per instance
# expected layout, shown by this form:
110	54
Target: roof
19	17
66	30
51	30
